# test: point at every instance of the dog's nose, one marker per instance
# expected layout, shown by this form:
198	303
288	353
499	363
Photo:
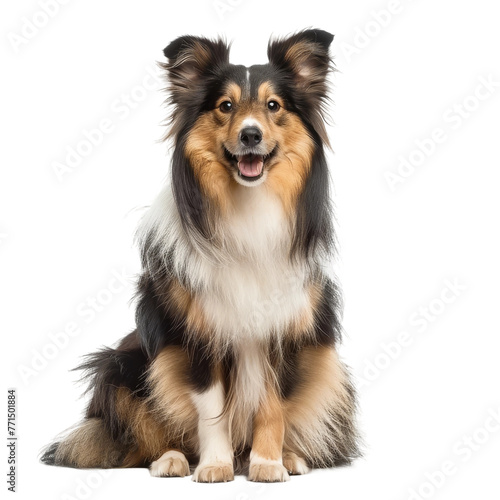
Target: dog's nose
250	136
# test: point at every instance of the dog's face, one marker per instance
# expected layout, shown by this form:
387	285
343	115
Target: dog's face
249	125
249	129
252	128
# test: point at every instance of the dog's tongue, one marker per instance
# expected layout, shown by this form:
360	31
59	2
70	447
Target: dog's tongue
250	165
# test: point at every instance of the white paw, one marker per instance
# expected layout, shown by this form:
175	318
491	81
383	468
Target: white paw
267	471
170	464
214	472
295	464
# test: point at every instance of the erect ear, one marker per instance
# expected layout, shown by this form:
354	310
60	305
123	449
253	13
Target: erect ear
305	54
191	58
305	57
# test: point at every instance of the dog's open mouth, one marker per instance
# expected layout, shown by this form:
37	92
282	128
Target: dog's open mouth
250	166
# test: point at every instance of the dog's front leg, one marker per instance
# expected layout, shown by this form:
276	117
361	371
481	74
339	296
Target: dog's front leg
266	461
216	453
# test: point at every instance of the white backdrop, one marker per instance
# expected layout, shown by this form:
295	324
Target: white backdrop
415	169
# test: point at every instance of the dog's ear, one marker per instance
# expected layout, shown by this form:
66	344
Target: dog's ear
191	58
304	57
304	54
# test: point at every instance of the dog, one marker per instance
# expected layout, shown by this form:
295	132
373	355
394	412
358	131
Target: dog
234	362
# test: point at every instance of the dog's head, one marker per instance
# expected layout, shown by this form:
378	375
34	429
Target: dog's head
249	120
246	125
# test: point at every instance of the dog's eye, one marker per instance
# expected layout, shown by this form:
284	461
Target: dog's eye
226	107
273	106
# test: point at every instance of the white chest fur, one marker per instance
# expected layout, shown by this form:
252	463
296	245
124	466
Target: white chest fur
247	287
255	291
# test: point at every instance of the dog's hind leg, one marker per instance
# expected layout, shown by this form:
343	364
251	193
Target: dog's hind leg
320	413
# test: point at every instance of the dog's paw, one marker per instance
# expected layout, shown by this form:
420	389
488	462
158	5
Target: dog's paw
294	464
214	472
170	464
267	471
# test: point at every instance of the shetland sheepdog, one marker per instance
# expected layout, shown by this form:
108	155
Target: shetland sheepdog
233	365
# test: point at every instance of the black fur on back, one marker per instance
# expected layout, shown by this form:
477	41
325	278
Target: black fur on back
159	326
109	369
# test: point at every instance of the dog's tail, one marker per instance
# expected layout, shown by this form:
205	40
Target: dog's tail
88	446
102	440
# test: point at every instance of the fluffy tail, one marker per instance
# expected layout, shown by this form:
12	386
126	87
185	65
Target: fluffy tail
88	446
102	440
